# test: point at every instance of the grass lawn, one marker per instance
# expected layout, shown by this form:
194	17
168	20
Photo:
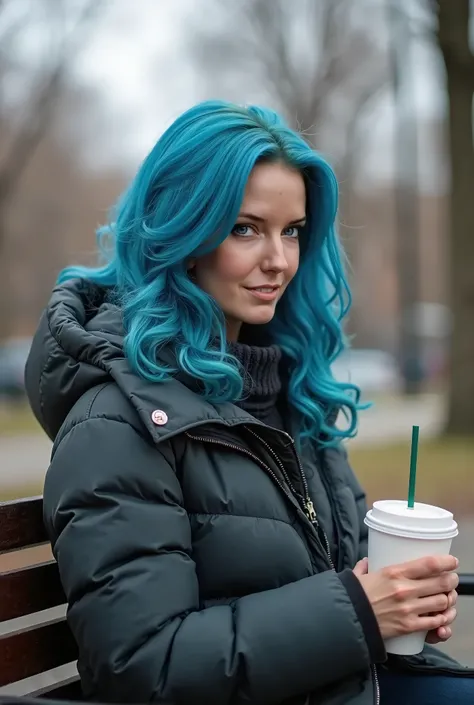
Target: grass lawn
16	419
445	474
32	489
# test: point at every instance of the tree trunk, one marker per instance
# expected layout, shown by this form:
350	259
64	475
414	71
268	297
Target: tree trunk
6	303
454	43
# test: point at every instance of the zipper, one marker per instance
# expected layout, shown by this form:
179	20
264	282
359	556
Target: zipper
306	500
375	678
324	466
326	540
311	512
248	453
277	459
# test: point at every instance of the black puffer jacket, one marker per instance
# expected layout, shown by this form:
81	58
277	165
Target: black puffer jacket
193	573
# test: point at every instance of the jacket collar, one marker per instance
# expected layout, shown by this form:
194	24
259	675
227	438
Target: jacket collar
182	409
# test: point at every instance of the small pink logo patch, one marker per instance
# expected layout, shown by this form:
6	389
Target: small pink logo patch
159	417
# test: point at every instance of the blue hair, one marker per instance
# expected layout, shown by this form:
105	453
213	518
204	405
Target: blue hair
183	203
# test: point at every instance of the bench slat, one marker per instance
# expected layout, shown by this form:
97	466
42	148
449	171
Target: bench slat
70	691
31	652
30	590
21	524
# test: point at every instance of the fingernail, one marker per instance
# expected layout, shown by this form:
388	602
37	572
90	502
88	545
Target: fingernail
457	563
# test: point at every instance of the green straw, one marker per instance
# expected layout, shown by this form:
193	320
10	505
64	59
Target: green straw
413	460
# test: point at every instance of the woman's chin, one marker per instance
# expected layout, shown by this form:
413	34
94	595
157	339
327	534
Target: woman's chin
259	317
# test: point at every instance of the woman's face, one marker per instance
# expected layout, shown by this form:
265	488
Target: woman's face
249	272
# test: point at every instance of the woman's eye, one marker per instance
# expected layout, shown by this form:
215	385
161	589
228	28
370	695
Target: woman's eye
242	230
291	232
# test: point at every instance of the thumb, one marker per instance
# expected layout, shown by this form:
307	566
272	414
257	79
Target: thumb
362	567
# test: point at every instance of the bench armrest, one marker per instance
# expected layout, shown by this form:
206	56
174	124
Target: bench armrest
466	584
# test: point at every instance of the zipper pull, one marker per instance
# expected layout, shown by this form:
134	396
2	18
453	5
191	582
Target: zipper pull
310	512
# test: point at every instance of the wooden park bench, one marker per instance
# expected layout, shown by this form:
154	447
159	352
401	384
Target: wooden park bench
33	648
40	643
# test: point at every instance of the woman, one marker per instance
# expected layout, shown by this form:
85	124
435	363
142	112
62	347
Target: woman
207	526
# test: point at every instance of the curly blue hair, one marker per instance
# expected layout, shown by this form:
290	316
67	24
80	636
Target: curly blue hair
183	203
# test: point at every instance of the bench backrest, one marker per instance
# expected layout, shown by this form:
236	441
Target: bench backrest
33	644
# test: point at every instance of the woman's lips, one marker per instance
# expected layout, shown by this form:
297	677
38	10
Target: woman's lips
264	293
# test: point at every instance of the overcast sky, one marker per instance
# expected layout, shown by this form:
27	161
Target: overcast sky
139	61
135	59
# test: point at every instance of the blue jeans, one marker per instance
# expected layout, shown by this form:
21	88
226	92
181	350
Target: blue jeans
404	689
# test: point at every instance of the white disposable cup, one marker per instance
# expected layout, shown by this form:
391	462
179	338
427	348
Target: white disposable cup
398	534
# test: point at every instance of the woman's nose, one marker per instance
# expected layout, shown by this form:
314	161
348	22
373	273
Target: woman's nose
274	257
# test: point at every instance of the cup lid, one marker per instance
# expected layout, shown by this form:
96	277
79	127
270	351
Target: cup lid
424	521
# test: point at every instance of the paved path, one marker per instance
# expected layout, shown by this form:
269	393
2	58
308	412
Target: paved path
23	459
392	419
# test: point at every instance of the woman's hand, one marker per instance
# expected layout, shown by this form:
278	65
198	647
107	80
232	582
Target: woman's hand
413	596
444	633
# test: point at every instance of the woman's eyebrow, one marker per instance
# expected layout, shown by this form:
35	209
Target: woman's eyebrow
252	216
259	219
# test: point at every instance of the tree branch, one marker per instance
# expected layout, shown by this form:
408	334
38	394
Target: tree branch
31	132
303	52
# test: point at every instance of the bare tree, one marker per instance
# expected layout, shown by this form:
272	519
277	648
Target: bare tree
64	25
315	61
459	60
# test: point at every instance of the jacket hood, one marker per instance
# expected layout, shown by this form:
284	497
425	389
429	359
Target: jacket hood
79	334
